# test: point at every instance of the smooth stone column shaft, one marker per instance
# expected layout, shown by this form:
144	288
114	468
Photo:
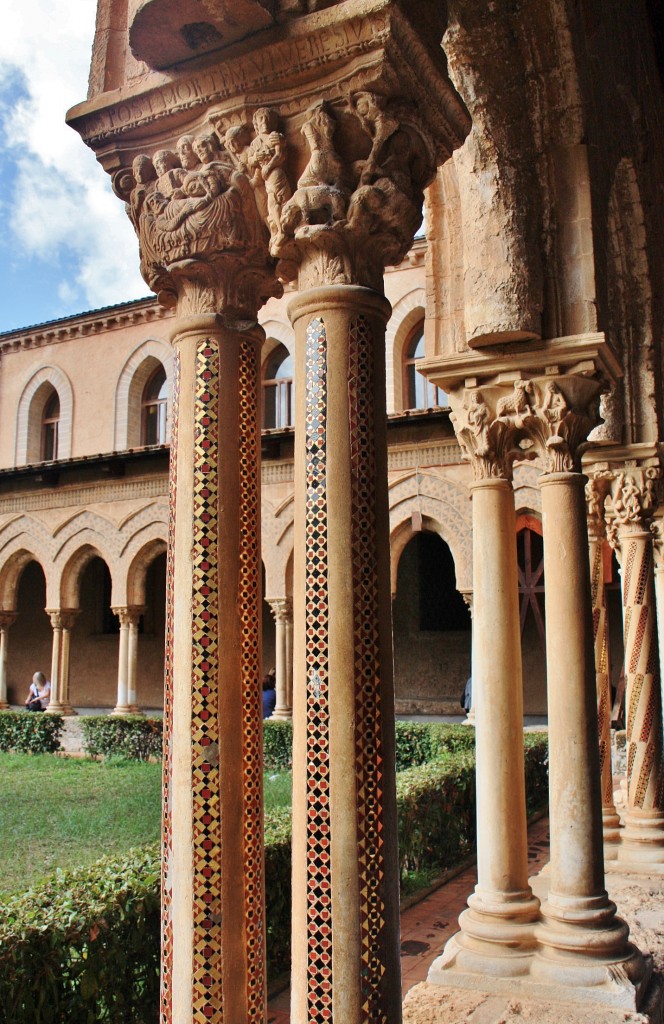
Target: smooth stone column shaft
67	709
643	834
213	916
497	929
132	663
346	962
281	609
610	819
122	705
4	644
580	936
55	704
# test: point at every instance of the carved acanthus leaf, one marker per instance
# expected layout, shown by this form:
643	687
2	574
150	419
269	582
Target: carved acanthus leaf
634	499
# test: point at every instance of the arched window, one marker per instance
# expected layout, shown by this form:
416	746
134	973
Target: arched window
154	407
278	390
418	392
49	428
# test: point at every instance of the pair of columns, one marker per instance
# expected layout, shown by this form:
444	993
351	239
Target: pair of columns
622	501
573	944
127	697
282	610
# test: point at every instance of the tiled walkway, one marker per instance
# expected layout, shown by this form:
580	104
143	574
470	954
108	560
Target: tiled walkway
426	927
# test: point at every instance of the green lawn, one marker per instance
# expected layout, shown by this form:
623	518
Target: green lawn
62	812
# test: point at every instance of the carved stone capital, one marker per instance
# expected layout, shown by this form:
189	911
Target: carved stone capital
281	608
634	499
63	618
657	530
203	244
598	488
488	440
349	218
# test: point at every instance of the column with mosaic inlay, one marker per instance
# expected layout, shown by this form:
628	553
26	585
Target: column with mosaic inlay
596	491
346	220
204	250
633	502
7	619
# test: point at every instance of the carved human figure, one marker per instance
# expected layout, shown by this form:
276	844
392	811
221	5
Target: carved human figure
185	148
478	421
266	160
169	172
144	175
324	167
237	141
554	405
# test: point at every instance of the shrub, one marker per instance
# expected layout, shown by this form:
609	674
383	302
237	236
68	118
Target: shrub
29	732
277	745
133	736
536	751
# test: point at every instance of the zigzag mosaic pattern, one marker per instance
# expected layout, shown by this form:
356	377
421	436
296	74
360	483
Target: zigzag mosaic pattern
205	781
166	992
368	725
644	729
319	885
252	707
601	669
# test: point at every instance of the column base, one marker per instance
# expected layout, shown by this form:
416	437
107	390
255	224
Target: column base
134	709
59	709
121	711
495	938
611	833
4	705
282	715
642	840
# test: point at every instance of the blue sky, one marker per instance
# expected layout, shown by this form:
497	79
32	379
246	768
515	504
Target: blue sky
66	244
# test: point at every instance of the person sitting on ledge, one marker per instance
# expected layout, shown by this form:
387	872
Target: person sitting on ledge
39	689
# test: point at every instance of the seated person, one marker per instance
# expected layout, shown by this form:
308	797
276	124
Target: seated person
269	693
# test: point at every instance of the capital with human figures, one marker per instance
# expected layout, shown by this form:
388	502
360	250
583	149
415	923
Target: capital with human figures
202	241
503	422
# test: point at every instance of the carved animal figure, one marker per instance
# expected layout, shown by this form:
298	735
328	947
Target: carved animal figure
517	403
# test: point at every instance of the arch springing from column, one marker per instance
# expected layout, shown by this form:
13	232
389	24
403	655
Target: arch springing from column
141	366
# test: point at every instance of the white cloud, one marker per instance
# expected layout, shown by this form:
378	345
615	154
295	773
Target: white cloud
61	208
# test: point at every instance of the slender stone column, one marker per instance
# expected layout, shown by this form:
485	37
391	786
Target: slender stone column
283	613
68	618
134	616
470	717
7	619
657	529
595	495
122	705
580	934
62	621
289	659
55	703
643	835
497	931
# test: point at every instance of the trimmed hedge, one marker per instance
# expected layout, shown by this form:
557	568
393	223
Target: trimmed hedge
26	732
85	947
132	736
416	743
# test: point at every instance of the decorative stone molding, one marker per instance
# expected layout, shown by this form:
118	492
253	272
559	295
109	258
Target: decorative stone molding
62	618
626	488
281	608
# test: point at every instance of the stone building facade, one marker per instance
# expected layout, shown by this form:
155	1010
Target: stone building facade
84	514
